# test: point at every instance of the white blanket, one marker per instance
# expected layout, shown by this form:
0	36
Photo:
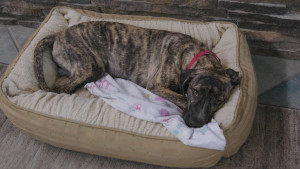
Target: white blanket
136	101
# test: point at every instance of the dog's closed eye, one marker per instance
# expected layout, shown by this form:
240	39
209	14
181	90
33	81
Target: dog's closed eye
218	101
195	92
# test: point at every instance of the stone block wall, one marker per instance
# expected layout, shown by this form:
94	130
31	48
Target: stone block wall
272	27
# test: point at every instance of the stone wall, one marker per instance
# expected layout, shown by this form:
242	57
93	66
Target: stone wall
272	27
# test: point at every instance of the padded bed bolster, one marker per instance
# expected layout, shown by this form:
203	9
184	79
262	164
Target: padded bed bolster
89	125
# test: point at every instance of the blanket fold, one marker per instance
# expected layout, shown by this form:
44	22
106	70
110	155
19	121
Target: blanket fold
136	101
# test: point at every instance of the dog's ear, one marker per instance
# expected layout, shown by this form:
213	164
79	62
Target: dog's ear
185	78
234	76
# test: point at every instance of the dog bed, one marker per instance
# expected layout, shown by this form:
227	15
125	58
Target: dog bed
84	123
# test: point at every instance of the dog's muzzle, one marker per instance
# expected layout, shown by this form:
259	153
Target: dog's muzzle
198	113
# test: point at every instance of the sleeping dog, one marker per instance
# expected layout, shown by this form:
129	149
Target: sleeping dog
154	59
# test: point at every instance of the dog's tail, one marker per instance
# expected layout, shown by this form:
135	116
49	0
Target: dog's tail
45	45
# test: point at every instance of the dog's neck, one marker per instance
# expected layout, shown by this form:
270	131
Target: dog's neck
207	60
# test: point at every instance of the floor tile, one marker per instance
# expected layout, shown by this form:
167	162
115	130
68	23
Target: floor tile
271	71
287	94
20	34
8	50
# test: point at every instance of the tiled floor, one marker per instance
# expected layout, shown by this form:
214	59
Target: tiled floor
278	79
12	39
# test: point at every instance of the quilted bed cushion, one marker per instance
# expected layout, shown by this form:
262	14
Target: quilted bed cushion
22	89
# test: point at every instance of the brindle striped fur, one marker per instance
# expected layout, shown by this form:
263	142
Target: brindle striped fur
154	59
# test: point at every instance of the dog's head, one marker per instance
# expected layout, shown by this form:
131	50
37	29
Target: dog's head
206	92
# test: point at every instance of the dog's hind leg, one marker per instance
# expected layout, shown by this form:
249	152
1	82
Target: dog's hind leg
76	79
63	85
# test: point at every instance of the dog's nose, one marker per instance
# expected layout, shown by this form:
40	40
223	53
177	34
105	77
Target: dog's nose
190	124
193	124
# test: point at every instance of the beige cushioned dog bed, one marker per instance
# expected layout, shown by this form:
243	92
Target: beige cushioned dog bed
84	123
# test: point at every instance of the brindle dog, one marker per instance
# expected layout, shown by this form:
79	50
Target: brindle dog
154	59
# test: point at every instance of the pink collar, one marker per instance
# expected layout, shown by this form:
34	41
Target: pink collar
200	54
